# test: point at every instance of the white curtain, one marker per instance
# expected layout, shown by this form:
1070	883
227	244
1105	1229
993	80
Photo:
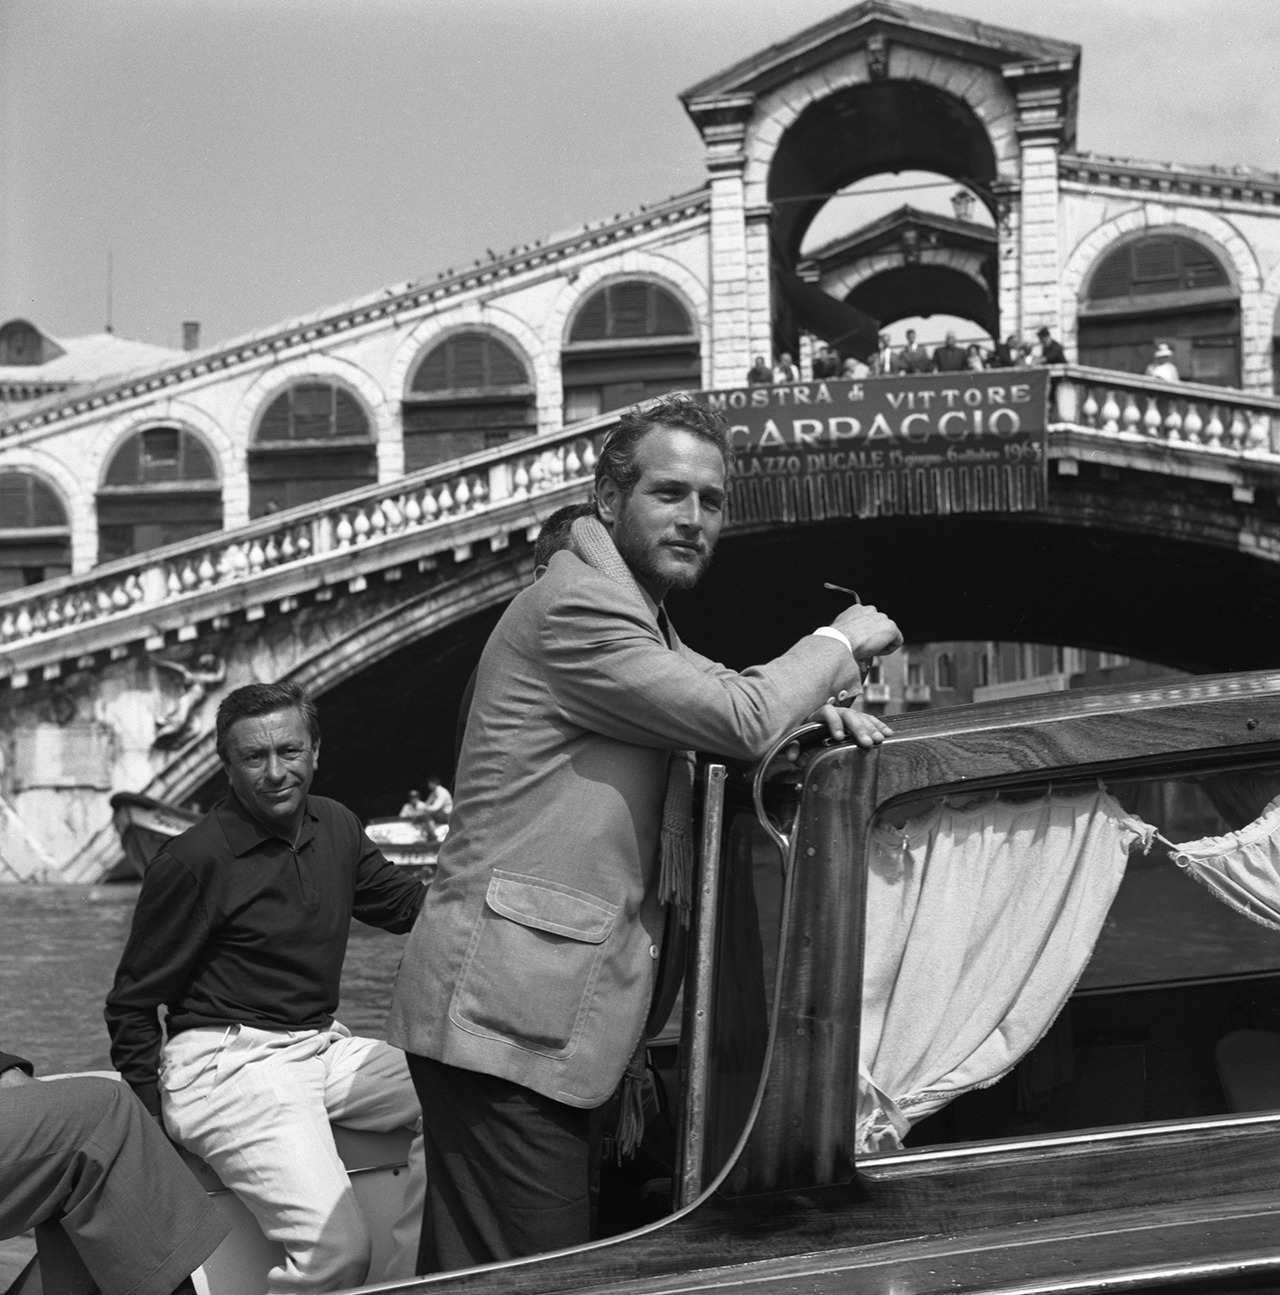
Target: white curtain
1242	868
980	920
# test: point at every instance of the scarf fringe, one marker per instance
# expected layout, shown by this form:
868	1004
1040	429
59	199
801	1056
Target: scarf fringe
631	1119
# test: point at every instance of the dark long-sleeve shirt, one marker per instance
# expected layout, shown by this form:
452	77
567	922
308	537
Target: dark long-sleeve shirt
234	925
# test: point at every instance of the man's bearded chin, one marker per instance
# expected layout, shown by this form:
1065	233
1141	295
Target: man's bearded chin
688	578
684	578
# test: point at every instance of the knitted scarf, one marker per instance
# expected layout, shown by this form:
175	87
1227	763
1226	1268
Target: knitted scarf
589	539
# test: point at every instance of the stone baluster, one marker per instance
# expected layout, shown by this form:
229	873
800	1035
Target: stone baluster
1131	416
1258	438
52	614
520	480
120	601
444	500
479	491
589	458
1089	410
461	495
377	521
1213	429
344	532
1193	424
1238	429
430	506
1110	413
412	510
206	573
1173	423
270	553
302	541
173	582
1151	418
8	625
360	525
257	556
572	462
24	623
394	515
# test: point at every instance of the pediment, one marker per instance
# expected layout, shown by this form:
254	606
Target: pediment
884	20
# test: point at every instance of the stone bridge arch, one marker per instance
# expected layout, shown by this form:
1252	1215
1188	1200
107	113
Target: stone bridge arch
876	89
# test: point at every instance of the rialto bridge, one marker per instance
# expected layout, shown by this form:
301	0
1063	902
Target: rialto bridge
1158	535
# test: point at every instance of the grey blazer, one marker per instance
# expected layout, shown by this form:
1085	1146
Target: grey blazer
535	952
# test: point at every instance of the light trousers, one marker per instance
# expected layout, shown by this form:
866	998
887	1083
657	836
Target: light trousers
256	1105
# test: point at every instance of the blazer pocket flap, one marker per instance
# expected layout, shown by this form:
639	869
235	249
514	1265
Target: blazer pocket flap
546	906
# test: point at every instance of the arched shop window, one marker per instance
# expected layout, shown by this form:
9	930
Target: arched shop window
469	392
35	541
629	341
313	440
1162	288
160	487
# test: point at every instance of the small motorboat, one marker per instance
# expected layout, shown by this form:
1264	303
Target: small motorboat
408	842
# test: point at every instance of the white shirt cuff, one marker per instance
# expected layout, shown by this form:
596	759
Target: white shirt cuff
830	632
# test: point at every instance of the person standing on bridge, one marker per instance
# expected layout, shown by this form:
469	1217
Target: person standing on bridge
524	989
241	930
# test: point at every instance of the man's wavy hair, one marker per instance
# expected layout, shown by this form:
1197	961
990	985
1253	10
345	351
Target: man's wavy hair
679	410
256	699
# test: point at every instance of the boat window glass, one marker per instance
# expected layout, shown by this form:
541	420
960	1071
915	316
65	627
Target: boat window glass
1175	1014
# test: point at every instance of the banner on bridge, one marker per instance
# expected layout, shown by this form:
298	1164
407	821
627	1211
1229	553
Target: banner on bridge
927	445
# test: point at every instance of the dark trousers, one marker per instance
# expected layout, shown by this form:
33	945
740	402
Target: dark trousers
508	1170
83	1156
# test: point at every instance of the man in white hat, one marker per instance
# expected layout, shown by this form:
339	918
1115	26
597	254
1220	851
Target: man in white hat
1162	365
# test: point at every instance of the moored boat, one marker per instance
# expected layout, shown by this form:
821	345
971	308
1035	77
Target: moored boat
144	825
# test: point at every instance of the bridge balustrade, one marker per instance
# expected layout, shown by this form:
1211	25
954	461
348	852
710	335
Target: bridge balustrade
1219	420
451	506
446	507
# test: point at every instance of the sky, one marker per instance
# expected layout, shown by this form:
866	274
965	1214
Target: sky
239	162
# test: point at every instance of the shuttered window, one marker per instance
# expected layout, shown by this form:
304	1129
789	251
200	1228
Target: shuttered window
470	393
27	502
160	487
1158	263
469	362
633	308
161	454
35	543
313	411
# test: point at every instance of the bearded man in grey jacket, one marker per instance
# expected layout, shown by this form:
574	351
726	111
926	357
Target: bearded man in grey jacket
526	983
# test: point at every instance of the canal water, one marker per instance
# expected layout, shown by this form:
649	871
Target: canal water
59	946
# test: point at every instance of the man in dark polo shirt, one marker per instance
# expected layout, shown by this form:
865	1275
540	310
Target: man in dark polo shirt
240	931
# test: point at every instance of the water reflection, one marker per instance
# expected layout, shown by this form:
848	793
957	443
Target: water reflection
59	946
